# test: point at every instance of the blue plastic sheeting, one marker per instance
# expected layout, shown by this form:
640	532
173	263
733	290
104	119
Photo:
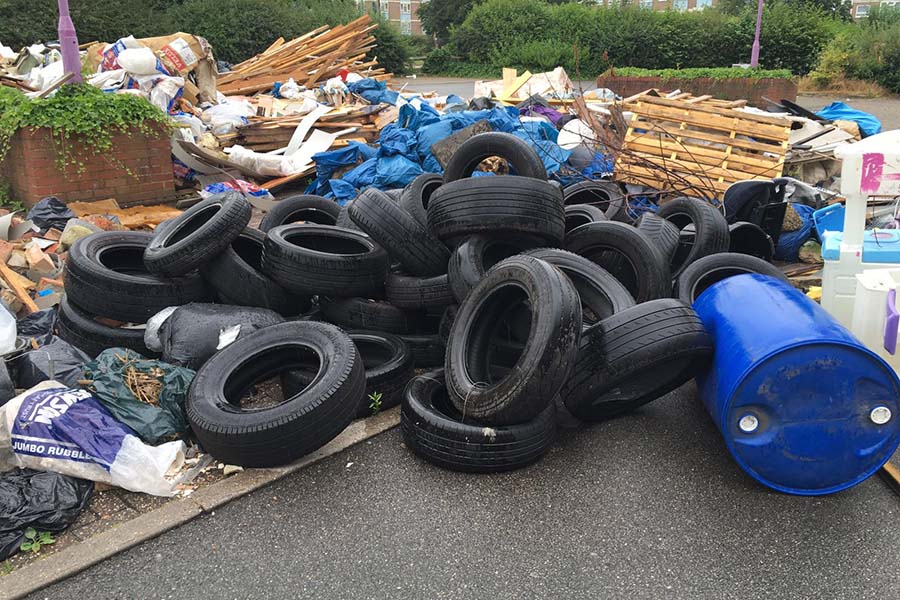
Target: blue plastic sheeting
790	241
540	130
868	124
396	140
404	147
375	92
396	172
342	191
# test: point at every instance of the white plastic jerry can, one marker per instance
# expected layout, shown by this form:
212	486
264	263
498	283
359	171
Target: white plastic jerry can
876	317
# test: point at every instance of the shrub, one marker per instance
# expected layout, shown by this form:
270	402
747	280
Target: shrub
713	73
536	55
238	29
392	50
878	45
421	45
498	25
792	36
24	22
440	60
535	34
870	51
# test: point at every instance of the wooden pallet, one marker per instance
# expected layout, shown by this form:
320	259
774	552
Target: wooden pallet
676	144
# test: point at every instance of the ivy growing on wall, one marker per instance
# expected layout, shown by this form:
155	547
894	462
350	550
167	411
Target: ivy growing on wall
80	117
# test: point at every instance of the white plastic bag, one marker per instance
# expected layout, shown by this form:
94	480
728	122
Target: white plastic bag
138	61
151	334
289	89
54	428
7	331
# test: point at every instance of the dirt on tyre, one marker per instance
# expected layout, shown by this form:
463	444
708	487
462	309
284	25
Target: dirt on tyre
502	205
320	259
701	274
197	235
523	160
106	277
436	431
304	208
552	340
635	357
280	433
400	234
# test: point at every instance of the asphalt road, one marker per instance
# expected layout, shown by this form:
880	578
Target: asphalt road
646	506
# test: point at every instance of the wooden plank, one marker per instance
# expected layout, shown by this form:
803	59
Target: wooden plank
509	77
274	184
664	145
706	108
508	92
12	280
704	162
710	168
679	132
729	123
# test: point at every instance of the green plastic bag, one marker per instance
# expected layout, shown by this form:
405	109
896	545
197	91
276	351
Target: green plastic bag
116	371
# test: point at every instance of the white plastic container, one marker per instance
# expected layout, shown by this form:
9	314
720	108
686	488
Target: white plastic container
876	318
870	168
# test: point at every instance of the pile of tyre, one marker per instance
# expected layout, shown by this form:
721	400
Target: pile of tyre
515	300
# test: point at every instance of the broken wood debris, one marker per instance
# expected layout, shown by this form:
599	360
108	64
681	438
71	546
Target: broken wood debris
309	59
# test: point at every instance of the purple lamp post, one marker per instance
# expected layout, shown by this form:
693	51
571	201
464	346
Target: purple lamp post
754	53
68	43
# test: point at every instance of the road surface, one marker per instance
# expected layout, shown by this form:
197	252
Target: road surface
646	506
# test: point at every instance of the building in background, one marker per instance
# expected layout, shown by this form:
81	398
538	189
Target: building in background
861	8
403	14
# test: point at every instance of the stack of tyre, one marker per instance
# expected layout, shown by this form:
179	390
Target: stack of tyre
565	305
521	299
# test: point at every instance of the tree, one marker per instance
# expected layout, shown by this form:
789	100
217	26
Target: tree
439	16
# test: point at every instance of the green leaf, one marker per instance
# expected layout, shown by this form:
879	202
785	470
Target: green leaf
30	533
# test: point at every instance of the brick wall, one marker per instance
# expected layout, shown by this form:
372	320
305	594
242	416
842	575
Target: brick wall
748	89
31	169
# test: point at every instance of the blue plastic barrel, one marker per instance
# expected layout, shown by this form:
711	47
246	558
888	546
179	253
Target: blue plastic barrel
804	407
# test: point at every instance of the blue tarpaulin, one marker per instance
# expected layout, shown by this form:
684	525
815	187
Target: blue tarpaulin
404	148
375	92
868	124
